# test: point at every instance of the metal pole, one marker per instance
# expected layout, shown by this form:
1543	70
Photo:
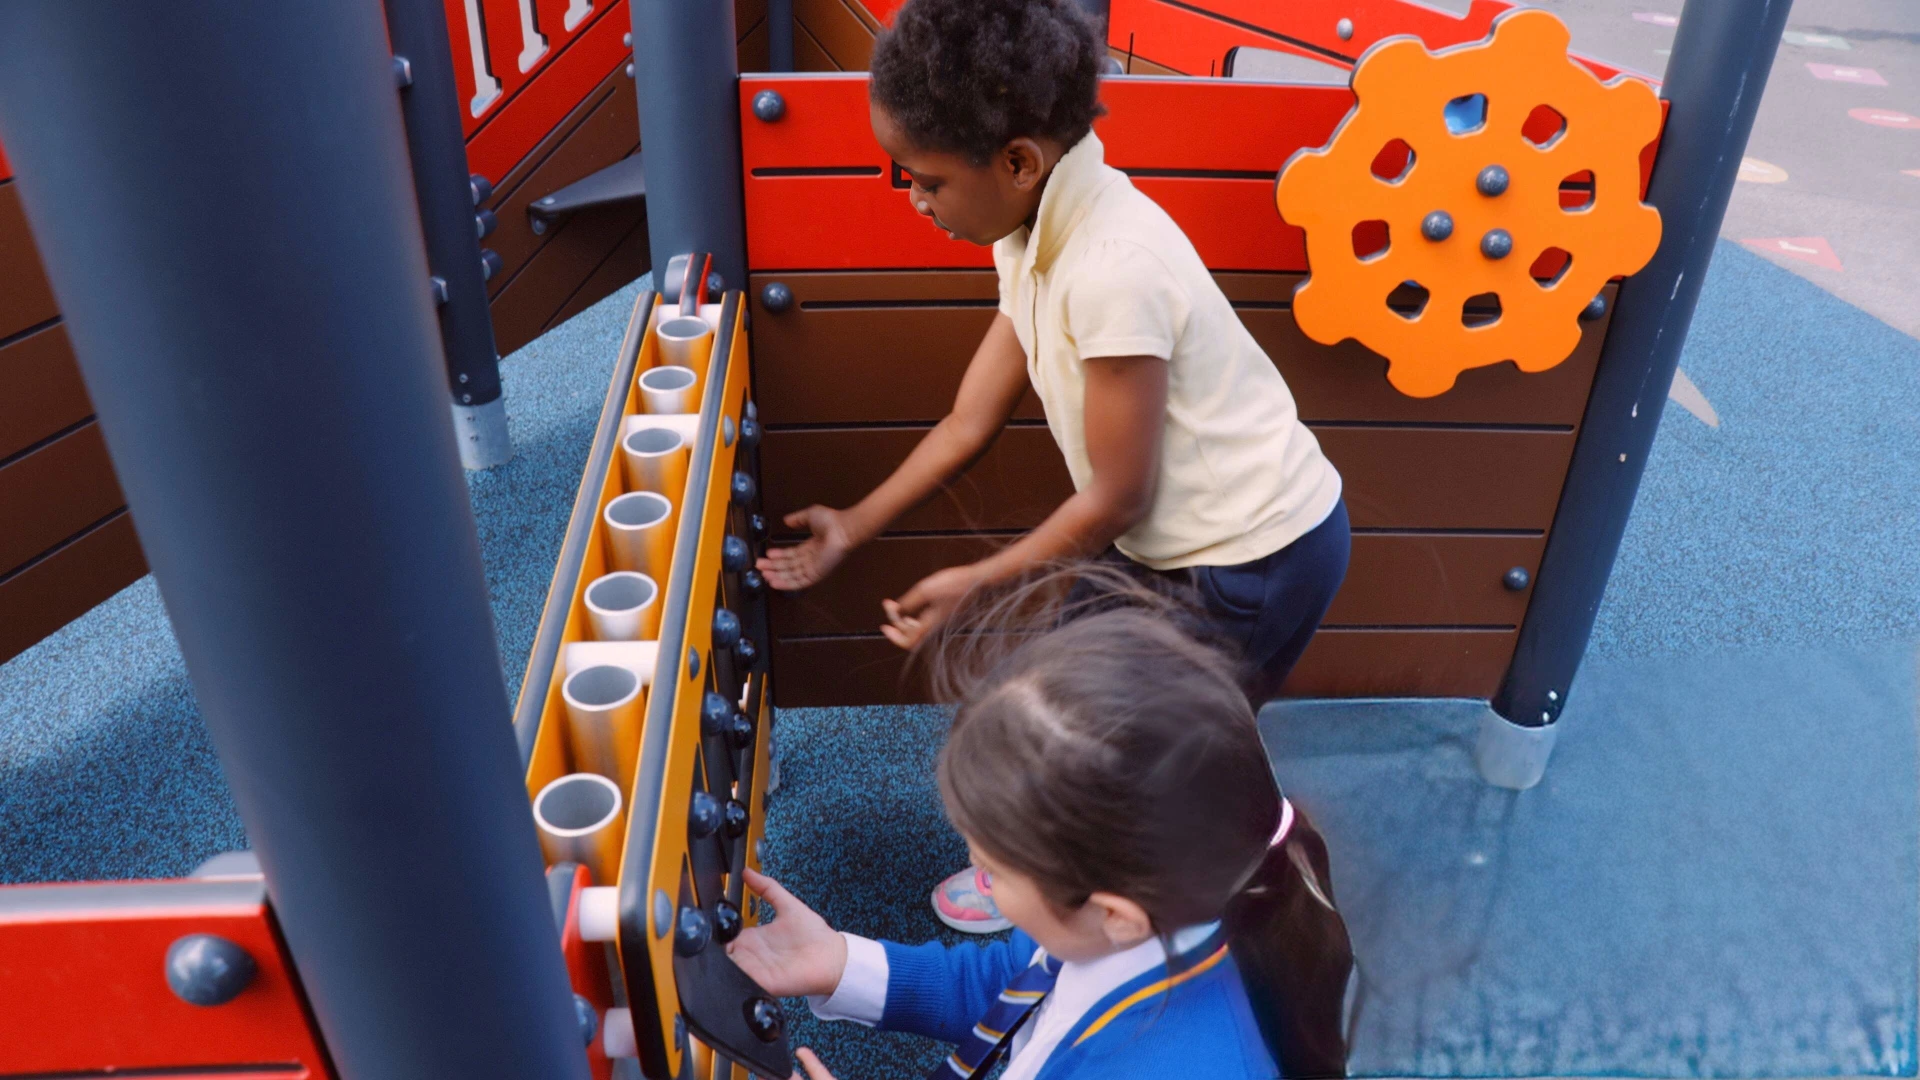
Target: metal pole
780	35
449	198
1722	53
221	195
686	71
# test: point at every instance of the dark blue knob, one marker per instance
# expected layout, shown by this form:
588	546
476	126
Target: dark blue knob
484	222
704	816
739	731
735	555
763	1018
745	651
1437	225
691	931
481	187
1497	244
589	1020
752	583
726	628
757	525
726	921
769	106
749	433
1595	308
736	819
204	969
1493	180
1517	579
776	297
744	489
715	711
490	264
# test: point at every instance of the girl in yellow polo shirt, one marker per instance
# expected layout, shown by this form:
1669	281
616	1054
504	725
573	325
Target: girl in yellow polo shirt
1186	451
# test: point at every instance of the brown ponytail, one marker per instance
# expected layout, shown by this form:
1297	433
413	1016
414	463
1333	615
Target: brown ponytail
1099	744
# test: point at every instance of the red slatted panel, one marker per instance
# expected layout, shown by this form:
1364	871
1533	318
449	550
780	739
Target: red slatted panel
6	169
82	972
530	103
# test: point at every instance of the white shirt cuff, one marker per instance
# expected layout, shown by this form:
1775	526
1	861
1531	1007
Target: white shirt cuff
862	993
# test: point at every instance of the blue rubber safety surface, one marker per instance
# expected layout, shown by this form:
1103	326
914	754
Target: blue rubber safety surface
1717	878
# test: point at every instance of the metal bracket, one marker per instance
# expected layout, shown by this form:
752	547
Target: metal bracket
623	181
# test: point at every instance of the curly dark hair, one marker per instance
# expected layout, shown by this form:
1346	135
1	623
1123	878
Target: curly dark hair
970	76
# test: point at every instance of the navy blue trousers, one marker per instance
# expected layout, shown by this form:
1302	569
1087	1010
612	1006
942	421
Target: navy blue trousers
1269	608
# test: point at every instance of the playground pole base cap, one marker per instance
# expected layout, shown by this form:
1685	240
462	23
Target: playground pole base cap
1511	755
482	434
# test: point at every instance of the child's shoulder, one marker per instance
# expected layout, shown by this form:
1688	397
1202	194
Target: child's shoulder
1203	1028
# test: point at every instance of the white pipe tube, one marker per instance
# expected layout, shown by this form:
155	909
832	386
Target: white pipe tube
657	460
617	1040
604	715
582	819
599	915
640	533
708	312
624	606
686	425
638	657
672	388
686	341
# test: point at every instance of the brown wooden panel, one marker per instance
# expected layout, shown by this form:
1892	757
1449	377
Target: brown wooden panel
1014	485
557	271
628	261
756	51
55	492
1449	478
892	360
1338	663
1402	663
808	53
1395	478
40	390
601	130
1395	579
844	36
26	299
67	583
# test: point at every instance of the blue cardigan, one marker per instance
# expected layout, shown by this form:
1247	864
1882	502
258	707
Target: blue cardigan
1193	1023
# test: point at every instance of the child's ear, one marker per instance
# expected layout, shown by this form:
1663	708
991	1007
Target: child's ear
1025	161
1124	922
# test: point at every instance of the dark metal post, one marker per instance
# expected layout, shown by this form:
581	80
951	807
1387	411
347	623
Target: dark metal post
686	71
780	35
1722	53
222	198
454	225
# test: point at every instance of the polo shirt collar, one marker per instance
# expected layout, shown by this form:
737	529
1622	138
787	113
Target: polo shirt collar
1078	177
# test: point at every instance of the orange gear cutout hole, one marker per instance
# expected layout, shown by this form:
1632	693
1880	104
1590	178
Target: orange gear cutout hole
1472	203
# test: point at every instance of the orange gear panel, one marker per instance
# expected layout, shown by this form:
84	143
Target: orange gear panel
1472	204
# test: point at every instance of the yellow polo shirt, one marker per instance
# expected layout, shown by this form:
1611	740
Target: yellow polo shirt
1105	272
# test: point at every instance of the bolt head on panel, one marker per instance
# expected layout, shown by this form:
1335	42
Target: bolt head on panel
1517	579
1497	244
727	923
735	555
208	970
691	931
1437	226
1493	180
1595	308
744	489
776	297
764	1018
769	106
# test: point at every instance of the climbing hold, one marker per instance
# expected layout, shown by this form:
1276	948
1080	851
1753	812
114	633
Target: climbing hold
1402	93
1497	244
1437	225
1493	180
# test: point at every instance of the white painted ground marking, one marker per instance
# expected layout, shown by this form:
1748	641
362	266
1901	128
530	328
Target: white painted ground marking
1689	397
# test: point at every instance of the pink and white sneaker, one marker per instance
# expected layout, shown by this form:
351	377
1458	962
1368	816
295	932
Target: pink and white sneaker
965	902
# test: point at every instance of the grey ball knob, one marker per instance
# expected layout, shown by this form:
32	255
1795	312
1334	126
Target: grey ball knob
1493	180
769	106
1437	225
1516	579
691	931
704	816
207	970
588	1020
1595	308
776	297
1344	28
1497	244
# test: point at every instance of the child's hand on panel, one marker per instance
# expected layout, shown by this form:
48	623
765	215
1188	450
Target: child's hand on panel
811	1063
815	557
795	955
928	604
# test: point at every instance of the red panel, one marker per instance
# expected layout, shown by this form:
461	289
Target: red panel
1175	123
563	80
883	10
83	987
587	971
1233	223
6	168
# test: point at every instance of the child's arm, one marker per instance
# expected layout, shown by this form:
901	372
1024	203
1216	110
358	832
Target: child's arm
1125	408
989	392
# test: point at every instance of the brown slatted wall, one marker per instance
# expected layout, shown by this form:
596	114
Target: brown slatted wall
1446	494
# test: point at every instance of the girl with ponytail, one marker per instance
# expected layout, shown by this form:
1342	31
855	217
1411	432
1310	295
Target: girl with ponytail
1173	912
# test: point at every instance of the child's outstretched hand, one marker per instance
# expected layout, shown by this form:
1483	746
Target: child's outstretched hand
815	557
927	604
795	955
811	1063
